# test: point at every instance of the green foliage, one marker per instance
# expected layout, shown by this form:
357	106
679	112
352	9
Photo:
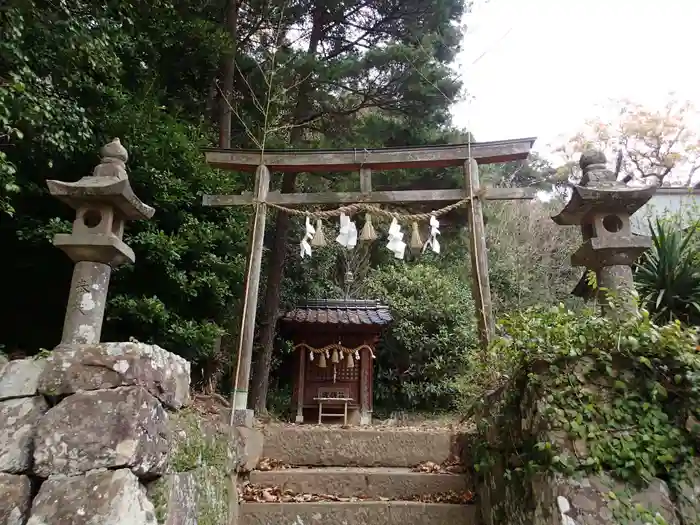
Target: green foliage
611	396
75	75
194	449
190	258
430	341
535	172
36	115
668	275
202	448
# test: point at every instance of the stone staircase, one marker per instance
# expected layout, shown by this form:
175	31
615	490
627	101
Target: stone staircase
358	477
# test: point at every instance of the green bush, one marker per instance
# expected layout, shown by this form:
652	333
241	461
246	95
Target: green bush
626	392
431	340
668	275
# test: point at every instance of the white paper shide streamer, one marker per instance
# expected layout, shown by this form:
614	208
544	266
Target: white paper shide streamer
396	244
432	241
347	237
308	235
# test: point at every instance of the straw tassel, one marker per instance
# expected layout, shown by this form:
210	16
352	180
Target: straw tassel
350	363
335	358
322	361
368	233
416	242
319	239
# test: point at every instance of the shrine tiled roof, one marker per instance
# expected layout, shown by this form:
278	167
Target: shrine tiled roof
339	312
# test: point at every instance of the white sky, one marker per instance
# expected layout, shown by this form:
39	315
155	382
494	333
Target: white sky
561	58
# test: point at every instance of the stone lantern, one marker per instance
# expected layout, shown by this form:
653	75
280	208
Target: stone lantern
602	206
103	202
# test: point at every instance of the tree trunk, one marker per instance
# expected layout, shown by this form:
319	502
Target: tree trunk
268	323
228	72
275	271
222	112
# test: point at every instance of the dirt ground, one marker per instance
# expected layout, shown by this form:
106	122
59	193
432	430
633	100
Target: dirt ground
215	409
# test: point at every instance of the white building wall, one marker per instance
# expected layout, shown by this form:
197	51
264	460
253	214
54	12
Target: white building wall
667	201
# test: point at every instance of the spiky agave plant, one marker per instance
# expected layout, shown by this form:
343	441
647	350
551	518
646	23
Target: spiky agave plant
668	274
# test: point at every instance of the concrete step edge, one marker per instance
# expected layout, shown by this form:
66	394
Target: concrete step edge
321	469
358	513
355	447
418	505
292	427
361	482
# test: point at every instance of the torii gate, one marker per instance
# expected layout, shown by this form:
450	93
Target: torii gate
362	161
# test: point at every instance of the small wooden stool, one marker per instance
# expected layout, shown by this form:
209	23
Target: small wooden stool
333	401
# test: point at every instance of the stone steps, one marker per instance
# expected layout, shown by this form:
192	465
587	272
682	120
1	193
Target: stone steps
374	482
370	465
336	447
357	513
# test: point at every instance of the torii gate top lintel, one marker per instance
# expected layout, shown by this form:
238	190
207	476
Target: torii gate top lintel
436	156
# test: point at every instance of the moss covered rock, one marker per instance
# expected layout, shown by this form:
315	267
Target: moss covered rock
591	426
197	488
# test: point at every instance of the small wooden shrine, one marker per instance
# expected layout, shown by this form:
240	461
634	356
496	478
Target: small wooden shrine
335	342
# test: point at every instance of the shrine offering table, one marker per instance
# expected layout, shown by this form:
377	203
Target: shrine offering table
333	401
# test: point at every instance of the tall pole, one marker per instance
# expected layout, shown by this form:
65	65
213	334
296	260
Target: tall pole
481	288
240	415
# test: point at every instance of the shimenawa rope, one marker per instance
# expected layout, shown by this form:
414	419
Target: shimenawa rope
352	209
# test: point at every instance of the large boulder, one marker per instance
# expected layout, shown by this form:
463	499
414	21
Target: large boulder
588	500
19	419
113	497
20	378
124	427
15	499
74	367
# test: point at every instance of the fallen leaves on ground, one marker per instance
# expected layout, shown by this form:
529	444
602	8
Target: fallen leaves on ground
209	403
271	464
454	497
387	425
451	466
259	494
427	466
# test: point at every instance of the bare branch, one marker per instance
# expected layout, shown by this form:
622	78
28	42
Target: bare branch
255	100
654	142
247	130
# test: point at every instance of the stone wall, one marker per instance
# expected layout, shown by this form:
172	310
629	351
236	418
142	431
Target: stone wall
86	437
533	470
